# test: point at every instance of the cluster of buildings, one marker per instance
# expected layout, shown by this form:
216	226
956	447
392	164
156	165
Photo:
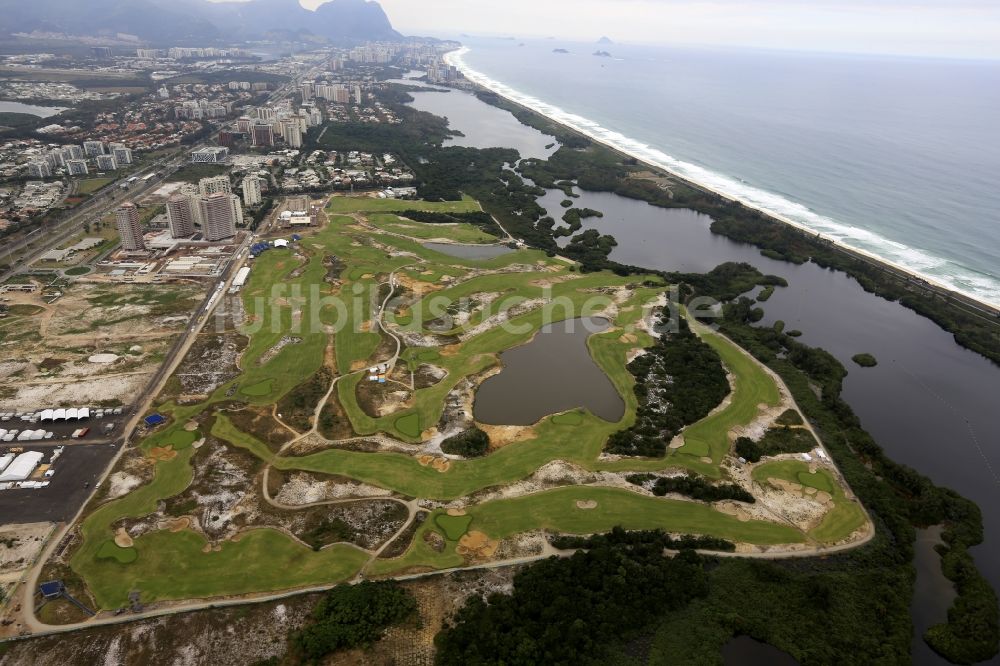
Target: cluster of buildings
213	210
50	90
177	53
32	198
440	72
202	109
374	53
141	124
75	160
338	93
257	86
266	125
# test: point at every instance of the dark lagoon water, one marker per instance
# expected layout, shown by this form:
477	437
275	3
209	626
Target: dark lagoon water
487	127
552	373
929	403
932	594
469	251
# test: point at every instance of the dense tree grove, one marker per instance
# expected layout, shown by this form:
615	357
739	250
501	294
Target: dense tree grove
619	537
352	616
777	440
298	405
692	486
574	219
678	380
568	611
469	443
478	218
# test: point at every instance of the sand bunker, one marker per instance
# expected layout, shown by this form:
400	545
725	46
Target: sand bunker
733	509
456	512
191	426
103	358
440	464
628	338
122	539
477	545
178	524
162	453
586	504
501	435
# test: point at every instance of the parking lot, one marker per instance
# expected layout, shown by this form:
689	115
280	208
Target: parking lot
97	429
76	471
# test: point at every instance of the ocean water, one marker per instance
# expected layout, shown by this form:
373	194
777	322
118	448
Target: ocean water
898	157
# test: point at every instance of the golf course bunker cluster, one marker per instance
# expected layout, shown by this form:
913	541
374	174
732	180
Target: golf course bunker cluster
331	432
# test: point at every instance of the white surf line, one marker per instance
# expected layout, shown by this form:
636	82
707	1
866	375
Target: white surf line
765	202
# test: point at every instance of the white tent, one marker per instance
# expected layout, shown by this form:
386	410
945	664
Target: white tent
22	467
47	414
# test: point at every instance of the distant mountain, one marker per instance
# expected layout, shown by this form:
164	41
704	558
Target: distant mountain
338	20
163	21
604	41
144	18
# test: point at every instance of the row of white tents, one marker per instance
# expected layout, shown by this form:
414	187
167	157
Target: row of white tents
71	414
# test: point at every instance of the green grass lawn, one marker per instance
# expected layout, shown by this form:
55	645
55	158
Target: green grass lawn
844	518
453	526
109	550
172	565
460	233
261	388
351	204
557	511
91	185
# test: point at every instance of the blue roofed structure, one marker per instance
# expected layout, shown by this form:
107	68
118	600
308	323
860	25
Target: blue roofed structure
154	419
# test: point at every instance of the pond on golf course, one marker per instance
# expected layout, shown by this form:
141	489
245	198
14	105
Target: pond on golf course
552	373
469	251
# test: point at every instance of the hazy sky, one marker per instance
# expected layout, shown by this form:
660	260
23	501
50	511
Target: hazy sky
919	27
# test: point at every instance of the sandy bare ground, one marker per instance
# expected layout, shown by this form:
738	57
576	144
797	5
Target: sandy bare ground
20	544
48	352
